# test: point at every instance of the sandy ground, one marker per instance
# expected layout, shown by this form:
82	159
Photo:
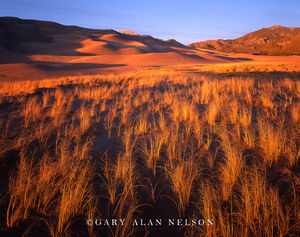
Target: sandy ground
112	53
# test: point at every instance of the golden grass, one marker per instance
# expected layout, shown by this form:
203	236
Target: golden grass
151	149
272	140
248	67
233	164
182	178
109	146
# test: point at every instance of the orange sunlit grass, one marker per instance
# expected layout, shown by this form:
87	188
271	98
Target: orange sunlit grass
177	145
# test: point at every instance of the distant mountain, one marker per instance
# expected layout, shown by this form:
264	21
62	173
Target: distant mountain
275	40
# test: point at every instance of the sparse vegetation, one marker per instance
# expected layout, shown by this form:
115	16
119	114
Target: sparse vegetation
151	144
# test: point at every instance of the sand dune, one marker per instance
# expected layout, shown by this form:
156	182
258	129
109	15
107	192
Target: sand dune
37	49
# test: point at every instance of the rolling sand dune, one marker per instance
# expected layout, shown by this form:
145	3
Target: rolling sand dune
38	49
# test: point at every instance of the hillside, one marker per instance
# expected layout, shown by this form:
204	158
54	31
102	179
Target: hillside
275	40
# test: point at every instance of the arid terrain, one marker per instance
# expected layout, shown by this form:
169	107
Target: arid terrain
40	49
101	125
275	40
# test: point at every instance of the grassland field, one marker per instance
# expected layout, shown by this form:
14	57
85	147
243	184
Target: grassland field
212	142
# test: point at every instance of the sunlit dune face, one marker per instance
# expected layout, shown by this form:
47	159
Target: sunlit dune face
122	40
110	44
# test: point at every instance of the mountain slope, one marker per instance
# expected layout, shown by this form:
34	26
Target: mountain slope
275	40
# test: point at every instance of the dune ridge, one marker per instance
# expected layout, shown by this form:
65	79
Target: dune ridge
41	49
